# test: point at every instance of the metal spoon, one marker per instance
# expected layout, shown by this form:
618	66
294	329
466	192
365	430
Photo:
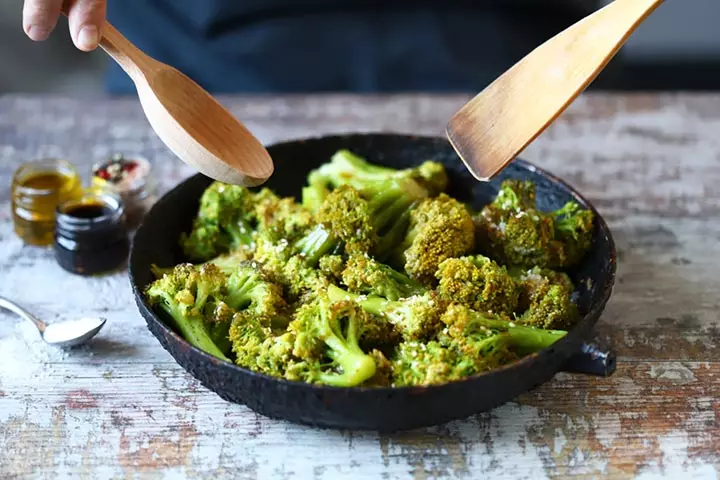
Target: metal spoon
57	334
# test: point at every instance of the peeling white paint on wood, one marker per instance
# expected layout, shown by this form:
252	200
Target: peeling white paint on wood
122	408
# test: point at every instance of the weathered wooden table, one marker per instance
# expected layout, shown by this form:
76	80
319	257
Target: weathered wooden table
122	408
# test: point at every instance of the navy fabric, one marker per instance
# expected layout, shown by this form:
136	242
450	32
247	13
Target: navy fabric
278	46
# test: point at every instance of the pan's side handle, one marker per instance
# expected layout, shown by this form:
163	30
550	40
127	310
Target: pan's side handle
593	358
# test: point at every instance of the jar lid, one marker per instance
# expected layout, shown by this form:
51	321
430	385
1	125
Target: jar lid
122	173
90	212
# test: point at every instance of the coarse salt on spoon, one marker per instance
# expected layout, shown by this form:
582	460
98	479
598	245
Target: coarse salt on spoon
191	123
66	334
490	130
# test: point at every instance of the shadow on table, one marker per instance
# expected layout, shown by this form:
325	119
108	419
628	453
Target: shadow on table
106	349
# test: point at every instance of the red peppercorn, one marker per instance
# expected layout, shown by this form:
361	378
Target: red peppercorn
130	166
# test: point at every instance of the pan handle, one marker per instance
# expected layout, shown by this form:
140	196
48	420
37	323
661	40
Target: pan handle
592	359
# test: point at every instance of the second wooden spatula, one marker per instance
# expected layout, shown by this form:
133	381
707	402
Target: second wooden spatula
193	125
495	126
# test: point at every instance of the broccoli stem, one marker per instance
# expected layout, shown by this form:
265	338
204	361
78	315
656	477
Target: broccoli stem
387	243
524	338
240	295
356	365
227	263
313	196
530	340
316	244
361	164
241	234
391	203
158	272
370	303
563	217
193	328
219	335
341	342
346	167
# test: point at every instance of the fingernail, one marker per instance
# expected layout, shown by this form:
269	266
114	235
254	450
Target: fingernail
36	32
88	37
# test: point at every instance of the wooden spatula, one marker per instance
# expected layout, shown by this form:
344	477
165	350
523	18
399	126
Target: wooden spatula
495	126
192	124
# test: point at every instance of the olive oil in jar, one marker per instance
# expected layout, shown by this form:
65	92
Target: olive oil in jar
37	189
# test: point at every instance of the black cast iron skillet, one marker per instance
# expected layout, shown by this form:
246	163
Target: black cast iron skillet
382	409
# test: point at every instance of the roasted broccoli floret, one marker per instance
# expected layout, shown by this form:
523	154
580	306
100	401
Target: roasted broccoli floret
249	289
513	231
376	331
383	371
432	175
344	222
391	203
482	352
258	348
462	323
299	281
516	195
440	228
574	229
351	220
330	330
332	266
528	282
158	271
415	318
228	262
281	219
363	274
478	282
189	295
551	306
425	363
347	168
230	217
545	298
471	343
313	197
225	221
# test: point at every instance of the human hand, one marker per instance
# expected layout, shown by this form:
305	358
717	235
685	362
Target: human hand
85	19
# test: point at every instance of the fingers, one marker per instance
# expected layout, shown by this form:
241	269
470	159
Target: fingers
85	20
40	17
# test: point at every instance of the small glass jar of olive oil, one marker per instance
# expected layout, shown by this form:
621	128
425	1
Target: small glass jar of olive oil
37	189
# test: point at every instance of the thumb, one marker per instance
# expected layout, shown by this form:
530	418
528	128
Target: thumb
86	19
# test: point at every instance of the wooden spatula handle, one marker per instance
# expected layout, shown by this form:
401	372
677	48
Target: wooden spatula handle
127	55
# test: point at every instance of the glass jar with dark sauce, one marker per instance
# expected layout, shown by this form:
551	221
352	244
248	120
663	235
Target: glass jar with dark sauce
91	234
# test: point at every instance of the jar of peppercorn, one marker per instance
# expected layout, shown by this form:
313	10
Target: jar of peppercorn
131	178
